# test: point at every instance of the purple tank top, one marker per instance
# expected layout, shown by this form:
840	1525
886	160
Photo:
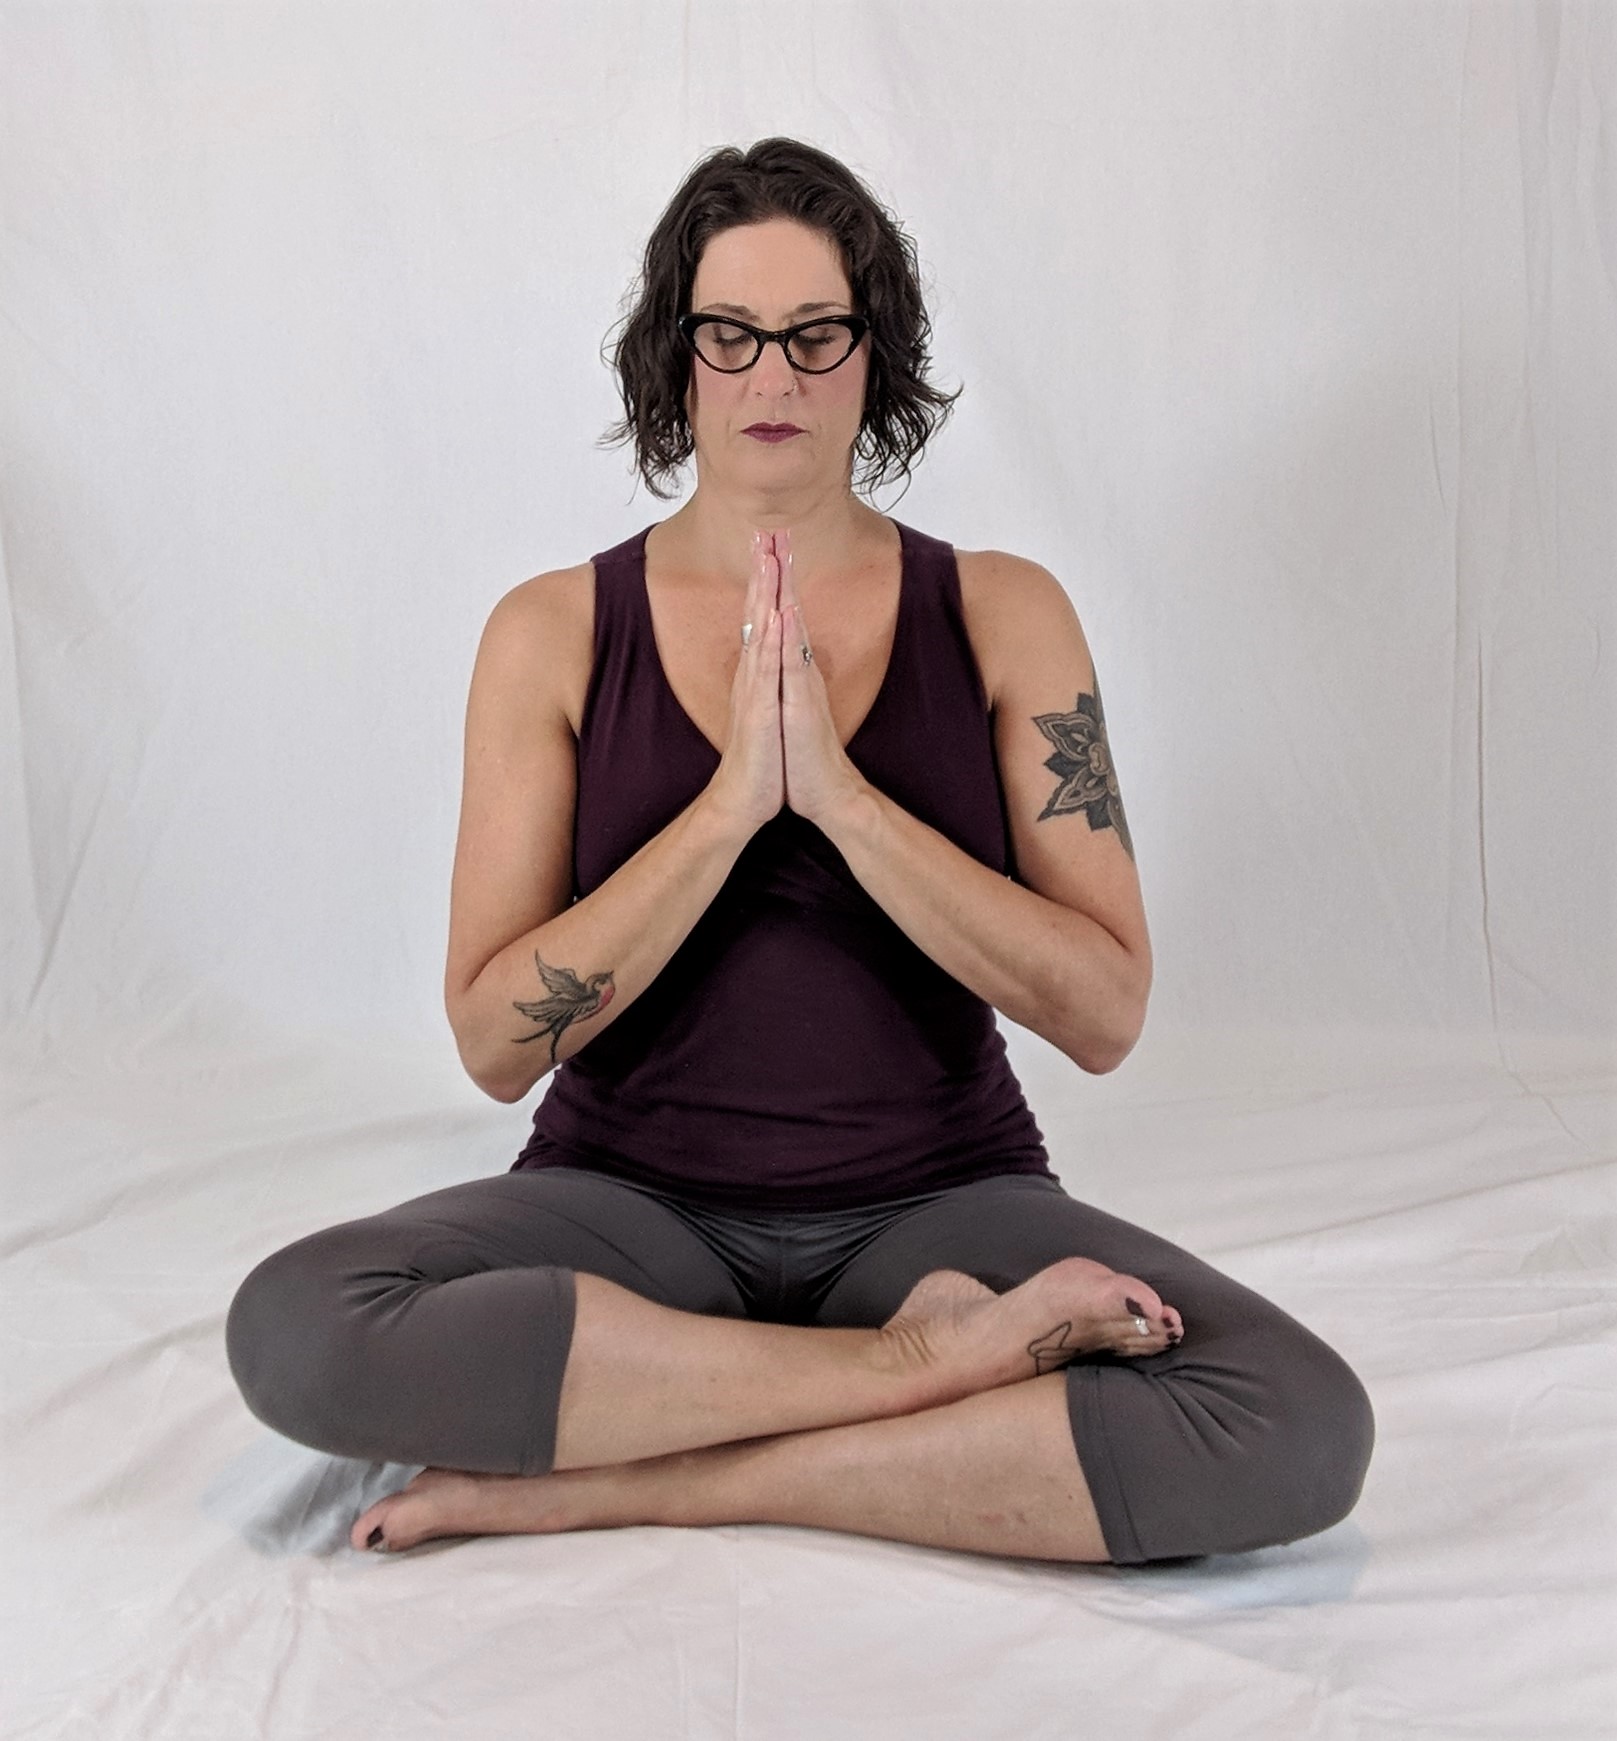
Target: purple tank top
797	1051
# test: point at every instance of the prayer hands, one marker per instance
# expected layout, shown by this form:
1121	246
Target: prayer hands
818	771
783	744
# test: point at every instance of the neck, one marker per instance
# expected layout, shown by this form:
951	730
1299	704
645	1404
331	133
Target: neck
713	530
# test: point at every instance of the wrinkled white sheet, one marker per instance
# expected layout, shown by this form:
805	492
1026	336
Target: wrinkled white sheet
1288	344
175	1570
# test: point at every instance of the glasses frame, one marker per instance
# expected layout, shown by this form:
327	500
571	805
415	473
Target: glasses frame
857	324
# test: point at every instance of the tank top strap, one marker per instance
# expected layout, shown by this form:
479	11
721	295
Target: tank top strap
930	745
622	620
636	769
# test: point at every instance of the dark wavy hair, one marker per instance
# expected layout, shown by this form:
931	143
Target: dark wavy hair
778	178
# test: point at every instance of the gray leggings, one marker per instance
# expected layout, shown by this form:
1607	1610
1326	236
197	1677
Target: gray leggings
437	1333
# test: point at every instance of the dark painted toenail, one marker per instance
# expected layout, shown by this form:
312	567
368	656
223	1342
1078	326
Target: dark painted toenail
374	1537
1136	1308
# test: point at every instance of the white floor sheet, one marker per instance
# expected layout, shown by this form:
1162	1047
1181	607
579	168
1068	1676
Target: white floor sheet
1287	342
176	1570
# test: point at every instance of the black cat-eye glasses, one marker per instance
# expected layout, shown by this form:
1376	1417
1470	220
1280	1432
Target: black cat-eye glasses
813	347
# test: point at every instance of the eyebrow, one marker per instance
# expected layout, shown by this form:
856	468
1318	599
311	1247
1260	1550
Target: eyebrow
741	308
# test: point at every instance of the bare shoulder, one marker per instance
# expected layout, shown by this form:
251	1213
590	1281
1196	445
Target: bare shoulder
540	635
513	854
1011	603
1070	839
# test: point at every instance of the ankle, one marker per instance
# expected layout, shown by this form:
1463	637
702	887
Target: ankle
901	1357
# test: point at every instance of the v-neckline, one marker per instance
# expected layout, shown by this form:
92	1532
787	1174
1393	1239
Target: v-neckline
904	589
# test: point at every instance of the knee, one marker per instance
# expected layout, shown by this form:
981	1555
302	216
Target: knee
284	1334
1322	1437
1302	1449
1227	1450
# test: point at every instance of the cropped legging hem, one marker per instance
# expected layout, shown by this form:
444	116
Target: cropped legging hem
438	1332
363	1343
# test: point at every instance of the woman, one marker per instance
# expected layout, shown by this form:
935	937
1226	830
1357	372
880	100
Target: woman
765	811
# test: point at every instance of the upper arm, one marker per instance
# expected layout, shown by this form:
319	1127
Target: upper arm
514	851
1068	831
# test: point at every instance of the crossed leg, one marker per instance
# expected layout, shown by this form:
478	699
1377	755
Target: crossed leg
992	1473
927	1405
477	1330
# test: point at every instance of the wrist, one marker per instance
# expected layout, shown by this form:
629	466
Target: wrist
850	813
720	824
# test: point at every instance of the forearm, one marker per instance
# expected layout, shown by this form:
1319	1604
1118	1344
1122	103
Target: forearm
512	1027
1045	966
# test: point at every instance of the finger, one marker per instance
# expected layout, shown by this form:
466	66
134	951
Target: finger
777	625
783	555
798	634
768	574
762	551
756	609
794	638
798	638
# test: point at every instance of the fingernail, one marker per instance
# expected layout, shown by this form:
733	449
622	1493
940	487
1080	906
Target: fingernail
374	1537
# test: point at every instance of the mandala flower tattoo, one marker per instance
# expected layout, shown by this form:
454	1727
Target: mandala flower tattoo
570	999
1083	764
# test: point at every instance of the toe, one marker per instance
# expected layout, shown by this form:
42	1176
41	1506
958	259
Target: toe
377	1529
1139	1300
367	1531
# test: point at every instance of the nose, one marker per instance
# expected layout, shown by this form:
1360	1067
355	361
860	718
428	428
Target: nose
772	375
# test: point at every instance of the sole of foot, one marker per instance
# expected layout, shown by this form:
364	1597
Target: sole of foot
957	1333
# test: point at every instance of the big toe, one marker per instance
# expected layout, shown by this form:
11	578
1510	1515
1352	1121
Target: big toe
369	1530
403	1518
1152	1324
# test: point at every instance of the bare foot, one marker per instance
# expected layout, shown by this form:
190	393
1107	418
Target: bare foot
965	1338
442	1502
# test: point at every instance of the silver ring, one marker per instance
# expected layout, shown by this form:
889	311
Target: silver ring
746	634
1143	1327
808	655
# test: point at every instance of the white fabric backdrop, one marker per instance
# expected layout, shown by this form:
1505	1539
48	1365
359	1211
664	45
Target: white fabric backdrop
1288	343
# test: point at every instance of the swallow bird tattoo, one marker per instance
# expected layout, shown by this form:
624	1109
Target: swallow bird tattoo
570	1000
1083	764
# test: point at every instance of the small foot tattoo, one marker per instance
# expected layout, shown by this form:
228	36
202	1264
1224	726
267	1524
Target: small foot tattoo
1052	1349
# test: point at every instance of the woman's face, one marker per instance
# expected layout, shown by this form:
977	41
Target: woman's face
773	275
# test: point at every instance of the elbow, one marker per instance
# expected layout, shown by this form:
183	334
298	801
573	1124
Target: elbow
510	1085
1100	1047
1095	1060
507	1090
507	1085
1103	1063
508	1094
